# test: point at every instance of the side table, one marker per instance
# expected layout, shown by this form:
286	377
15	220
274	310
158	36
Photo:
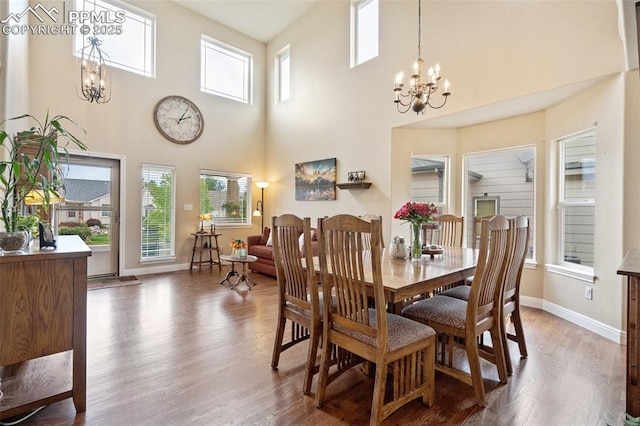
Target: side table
205	242
242	276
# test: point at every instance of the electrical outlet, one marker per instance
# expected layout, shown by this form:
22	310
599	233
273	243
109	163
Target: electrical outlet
588	293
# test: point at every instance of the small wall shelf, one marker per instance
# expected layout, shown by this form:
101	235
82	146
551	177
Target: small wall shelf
354	185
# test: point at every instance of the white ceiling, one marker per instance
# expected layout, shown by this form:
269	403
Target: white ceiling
259	19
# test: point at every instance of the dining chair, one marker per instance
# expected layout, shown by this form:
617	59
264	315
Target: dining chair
401	349
511	293
298	299
457	320
368	217
448	232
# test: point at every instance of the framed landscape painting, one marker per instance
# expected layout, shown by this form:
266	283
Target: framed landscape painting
316	180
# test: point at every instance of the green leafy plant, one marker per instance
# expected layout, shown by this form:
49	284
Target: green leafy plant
39	170
30	222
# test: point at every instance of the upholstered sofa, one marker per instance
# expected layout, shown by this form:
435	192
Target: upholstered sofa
261	247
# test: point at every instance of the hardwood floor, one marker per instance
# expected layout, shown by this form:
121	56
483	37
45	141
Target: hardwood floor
181	349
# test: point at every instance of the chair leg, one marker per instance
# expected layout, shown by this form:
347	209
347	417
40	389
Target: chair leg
505	345
429	373
476	373
377	403
311	361
497	336
323	374
277	344
517	325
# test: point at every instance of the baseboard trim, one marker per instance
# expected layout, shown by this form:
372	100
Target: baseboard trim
604	330
156	269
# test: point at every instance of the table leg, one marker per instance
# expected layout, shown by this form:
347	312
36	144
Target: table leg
231	273
244	277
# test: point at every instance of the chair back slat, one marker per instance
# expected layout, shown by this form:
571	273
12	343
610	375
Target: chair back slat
367	237
514	269
293	279
490	271
450	230
343	262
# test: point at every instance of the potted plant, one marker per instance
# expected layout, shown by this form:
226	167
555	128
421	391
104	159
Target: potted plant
31	165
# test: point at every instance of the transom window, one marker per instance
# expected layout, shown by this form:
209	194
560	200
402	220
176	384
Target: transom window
283	74
364	31
226	197
129	44
576	207
157	238
225	70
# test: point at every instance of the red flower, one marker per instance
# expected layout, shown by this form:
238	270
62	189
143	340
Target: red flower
416	213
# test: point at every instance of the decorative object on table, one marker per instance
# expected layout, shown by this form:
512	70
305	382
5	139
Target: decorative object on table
316	180
178	119
358	176
203	217
32	163
239	249
259	211
94	82
418	96
46	236
416	214
398	250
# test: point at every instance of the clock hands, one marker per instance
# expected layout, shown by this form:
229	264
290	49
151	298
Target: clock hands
182	116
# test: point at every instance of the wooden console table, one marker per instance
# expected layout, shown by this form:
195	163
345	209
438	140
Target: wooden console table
43	326
631	268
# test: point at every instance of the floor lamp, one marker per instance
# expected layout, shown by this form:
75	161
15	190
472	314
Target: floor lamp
259	211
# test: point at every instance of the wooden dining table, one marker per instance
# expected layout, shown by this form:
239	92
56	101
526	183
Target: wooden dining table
404	279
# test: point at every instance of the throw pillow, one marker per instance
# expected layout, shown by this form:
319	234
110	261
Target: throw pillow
301	242
266	234
269	240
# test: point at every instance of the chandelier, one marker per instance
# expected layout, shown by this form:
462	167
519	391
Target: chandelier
419	93
94	82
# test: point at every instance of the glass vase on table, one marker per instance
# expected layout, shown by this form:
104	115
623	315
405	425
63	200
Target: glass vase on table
416	242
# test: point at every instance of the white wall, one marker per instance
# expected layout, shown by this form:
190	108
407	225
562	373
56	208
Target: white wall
233	138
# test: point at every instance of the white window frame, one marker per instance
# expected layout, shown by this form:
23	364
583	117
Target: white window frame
113	35
358	39
563	203
283	74
528	175
149	172
220	217
210	84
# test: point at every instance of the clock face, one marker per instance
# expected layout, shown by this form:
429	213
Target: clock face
178	119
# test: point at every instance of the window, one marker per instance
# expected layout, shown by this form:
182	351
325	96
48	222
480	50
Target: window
225	70
499	182
105	213
158	213
577	179
430	181
226	197
283	74
128	39
364	31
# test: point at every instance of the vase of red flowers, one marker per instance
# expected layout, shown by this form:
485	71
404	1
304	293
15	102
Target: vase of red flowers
416	214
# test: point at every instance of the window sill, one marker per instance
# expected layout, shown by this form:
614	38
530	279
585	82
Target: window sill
587	276
166	259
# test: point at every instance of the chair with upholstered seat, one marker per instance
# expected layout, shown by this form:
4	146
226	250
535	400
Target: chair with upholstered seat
401	349
459	320
298	299
511	293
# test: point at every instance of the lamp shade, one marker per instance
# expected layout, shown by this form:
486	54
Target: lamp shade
262	185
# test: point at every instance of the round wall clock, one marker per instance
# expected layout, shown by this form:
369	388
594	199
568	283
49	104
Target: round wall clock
178	119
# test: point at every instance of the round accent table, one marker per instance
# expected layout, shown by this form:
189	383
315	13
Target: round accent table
242	276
